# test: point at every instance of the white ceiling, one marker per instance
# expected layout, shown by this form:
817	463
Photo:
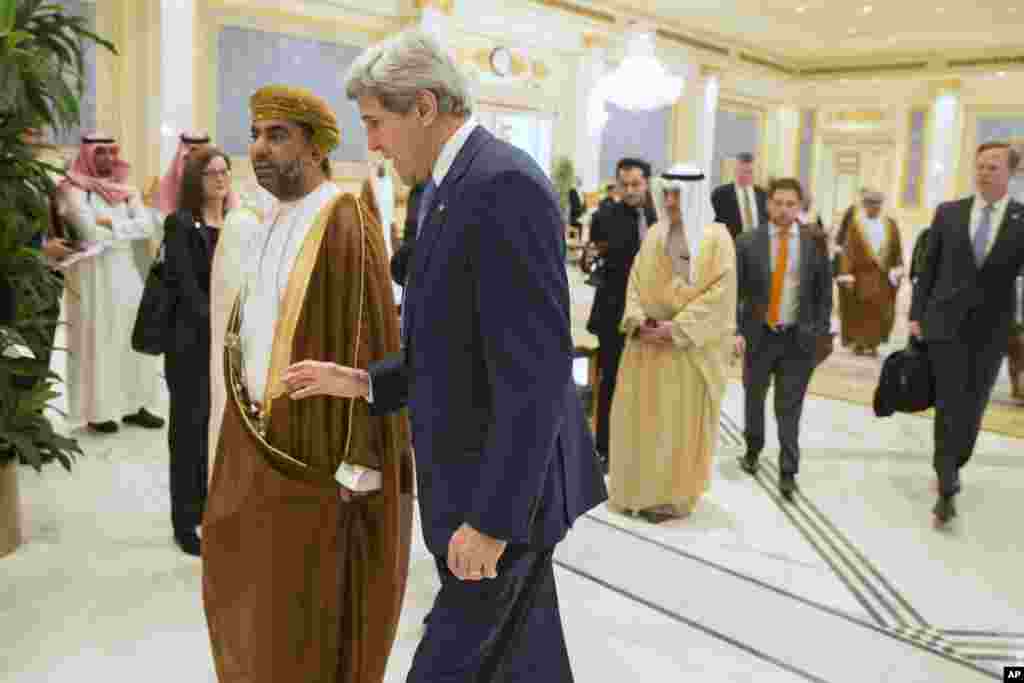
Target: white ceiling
838	29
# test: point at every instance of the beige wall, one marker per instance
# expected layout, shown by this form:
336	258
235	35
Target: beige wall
128	85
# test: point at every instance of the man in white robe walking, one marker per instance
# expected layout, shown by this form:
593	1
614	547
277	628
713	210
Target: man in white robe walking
107	380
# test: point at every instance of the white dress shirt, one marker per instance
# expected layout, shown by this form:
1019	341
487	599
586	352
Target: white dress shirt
998	212
791	283
752	199
451	150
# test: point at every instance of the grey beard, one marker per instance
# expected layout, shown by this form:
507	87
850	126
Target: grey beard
287	183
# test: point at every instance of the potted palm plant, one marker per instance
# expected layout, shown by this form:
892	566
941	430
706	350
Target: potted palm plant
41	81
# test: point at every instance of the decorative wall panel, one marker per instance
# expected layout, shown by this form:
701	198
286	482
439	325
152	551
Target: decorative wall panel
914	166
87	121
736	132
249	59
642	134
805	148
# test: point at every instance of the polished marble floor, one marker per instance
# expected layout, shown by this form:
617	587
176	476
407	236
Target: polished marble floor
848	583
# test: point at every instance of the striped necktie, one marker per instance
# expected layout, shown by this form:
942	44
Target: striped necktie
981	237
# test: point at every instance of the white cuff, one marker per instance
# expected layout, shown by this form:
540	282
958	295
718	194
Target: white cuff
369	391
358	478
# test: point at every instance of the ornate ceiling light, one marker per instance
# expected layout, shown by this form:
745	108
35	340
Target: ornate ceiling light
640	82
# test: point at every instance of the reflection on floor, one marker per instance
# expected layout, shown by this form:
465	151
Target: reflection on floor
848	583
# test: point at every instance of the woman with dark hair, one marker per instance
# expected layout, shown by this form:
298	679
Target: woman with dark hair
190	238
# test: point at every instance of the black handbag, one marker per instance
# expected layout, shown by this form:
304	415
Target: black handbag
156	309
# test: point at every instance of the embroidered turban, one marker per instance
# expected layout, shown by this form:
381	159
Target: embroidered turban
301	106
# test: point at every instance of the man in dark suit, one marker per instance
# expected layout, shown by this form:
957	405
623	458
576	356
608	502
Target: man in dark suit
504	459
785	307
741	205
963	309
622	227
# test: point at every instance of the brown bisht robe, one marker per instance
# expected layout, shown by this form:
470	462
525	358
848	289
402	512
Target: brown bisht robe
867	310
297	584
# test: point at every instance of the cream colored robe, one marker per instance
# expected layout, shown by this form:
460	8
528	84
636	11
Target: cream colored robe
226	277
668	397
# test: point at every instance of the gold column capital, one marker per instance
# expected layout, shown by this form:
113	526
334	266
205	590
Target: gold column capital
443	6
593	41
707	71
949	85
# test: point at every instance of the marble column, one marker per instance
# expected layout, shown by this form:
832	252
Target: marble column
943	146
177	78
709	113
590	117
693	119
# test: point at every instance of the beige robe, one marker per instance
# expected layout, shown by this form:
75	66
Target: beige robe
668	397
226	277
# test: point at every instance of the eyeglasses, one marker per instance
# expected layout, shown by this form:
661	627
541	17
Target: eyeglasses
217	174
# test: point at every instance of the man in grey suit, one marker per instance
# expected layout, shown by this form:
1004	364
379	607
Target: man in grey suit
963	308
785	309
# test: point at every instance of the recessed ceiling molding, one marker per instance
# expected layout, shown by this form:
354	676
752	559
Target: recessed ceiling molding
862	70
858	116
578	10
766	63
692	42
985	61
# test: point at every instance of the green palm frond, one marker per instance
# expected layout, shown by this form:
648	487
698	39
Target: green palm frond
42	78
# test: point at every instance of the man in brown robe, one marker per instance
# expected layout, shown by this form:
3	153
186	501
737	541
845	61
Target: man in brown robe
870	273
307	527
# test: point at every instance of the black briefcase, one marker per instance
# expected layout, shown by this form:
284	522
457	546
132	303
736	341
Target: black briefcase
907	383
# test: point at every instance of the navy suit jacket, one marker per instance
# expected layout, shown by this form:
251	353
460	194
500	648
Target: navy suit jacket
951	284
499	434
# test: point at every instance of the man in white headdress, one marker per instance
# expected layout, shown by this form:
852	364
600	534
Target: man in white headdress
107	380
679	323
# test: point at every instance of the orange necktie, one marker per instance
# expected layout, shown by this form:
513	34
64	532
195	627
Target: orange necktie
779	278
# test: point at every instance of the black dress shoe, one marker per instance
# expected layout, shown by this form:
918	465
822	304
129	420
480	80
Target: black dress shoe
145	419
787	485
108	427
189	543
944	510
749	463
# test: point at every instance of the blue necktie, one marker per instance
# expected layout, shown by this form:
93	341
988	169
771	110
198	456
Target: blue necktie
982	235
426	197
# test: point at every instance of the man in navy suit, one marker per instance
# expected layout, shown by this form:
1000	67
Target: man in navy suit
504	459
963	308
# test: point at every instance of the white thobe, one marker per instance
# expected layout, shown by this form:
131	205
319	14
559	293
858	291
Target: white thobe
874	229
272	253
106	378
384	194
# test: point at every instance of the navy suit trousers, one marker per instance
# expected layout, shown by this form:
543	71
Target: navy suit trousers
501	630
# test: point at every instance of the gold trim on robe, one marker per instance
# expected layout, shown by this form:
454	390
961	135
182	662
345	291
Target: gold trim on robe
867	309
